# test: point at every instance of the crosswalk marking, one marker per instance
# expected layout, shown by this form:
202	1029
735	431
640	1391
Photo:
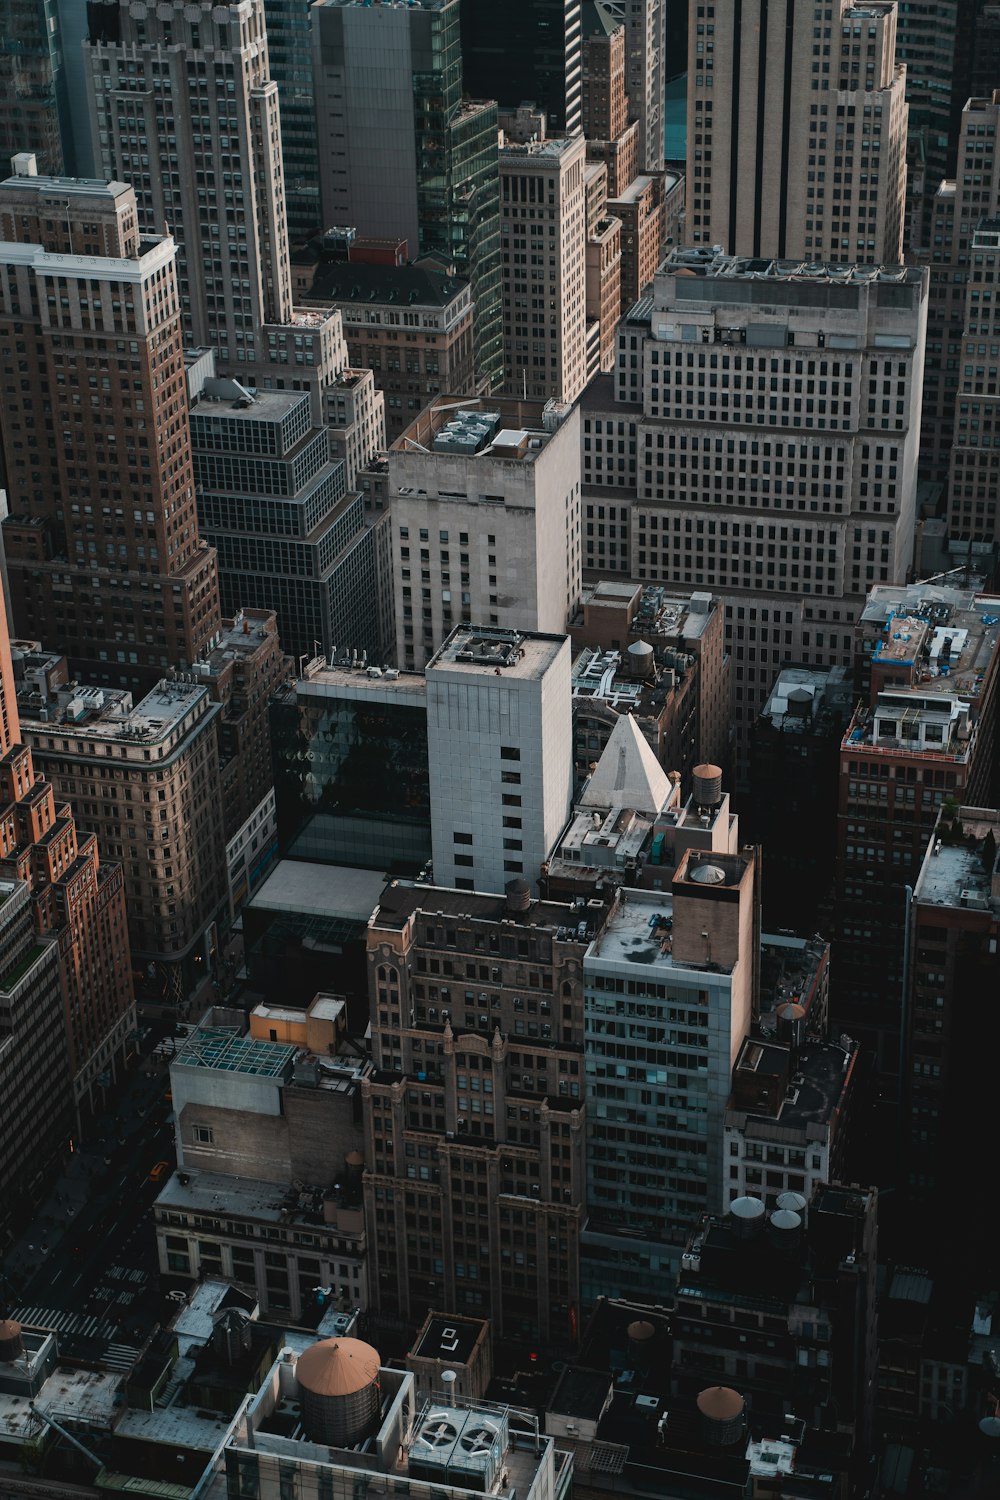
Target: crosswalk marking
61	1321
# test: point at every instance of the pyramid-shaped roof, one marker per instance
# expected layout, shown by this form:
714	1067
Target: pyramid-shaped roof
628	773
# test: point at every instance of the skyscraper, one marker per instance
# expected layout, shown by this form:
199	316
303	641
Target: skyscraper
33	106
102	540
76	901
403	153
544	243
525	51
289	45
796	133
777	448
973	479
185	110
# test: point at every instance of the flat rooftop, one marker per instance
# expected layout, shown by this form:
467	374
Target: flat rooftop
222	1050
376	685
710	261
816	1092
502	428
803	698
638	932
245	1197
955	874
42	186
317	890
402	899
407	287
87	1397
260	406
108	713
485	651
450	1339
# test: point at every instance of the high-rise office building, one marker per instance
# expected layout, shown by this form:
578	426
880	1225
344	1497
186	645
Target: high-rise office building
646	73
403	153
673	973
526	51
974	471
612	136
288	534
477	1038
796	132
102	542
33	103
776	451
500	751
289	47
76	901
159	755
927	46
544	243
953	316
485	506
923	738
950	1040
185	110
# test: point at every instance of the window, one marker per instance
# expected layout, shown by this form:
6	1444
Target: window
509	752
203	1135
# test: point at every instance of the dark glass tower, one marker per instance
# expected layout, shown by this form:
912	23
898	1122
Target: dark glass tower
289	45
527	49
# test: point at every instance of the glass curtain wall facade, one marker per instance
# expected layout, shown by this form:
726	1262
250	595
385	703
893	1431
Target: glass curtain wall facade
458	176
351	781
289	46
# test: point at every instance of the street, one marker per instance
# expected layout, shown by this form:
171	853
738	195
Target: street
87	1265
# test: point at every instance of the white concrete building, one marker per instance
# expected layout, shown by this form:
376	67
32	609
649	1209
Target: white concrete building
485	507
500	750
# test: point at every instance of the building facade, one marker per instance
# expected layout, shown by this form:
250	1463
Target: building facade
410	325
145	779
403	154
923	739
485	513
499	749
275	507
289	46
544	251
668	999
805	495
530	51
102	543
474	1116
781	108
268	1123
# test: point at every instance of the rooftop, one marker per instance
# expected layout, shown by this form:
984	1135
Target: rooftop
711	261
106	713
636	681
320	890
42	186
223	1050
478	651
639	931
806	700
660	615
392	286
450	1339
322	678
815	1091
503	429
963	874
243	1197
226	398
402	899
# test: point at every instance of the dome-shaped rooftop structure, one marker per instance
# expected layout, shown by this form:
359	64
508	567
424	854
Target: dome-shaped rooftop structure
708	874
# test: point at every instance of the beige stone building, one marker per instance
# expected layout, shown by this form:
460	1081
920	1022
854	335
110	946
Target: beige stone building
145	778
604	269
102	544
796	131
641	208
410	325
543	236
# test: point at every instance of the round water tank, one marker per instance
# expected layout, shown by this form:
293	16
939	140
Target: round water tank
640	659
791	1019
747	1216
799	703
721	1412
990	1428
641	1336
785	1229
339	1391
706	785
11	1343
794	1202
707	874
518	894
